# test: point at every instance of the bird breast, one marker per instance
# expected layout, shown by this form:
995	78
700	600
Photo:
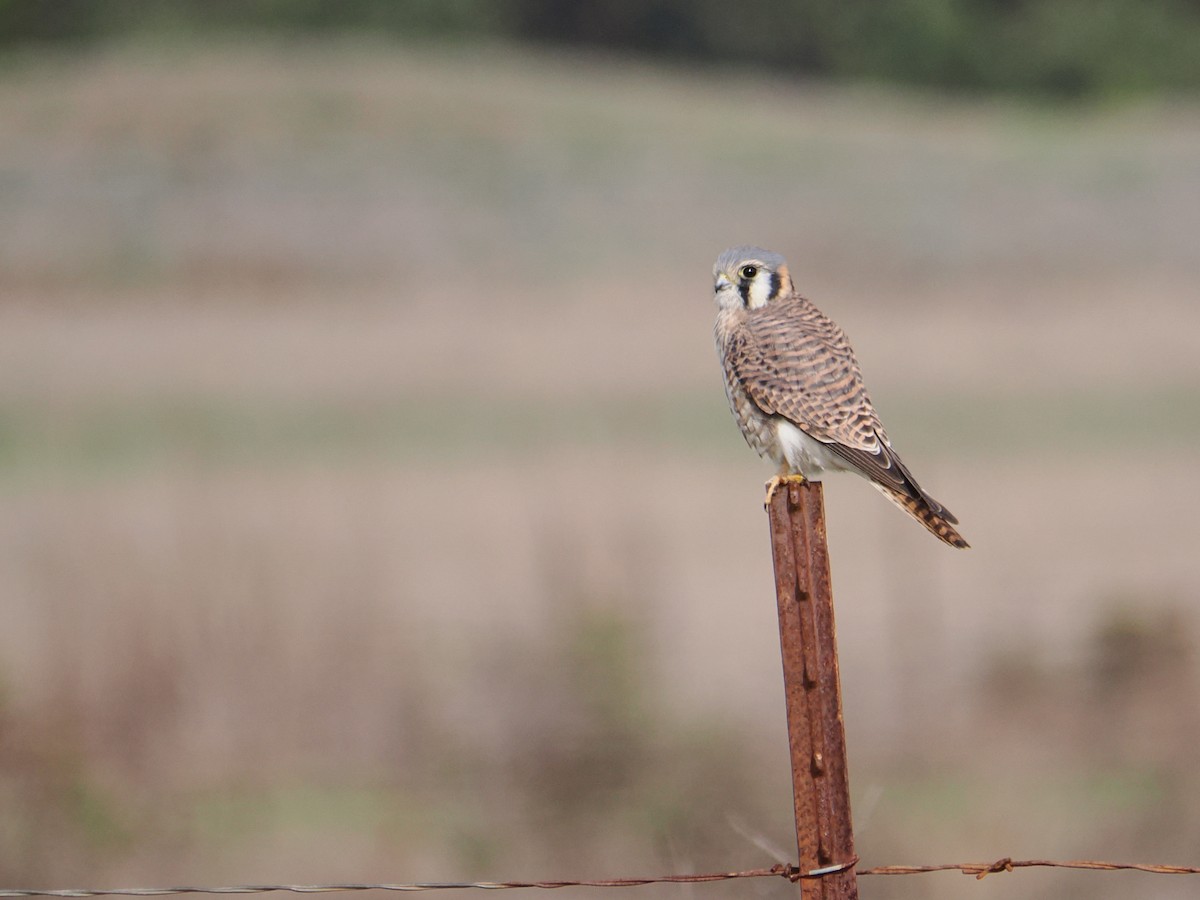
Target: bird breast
755	425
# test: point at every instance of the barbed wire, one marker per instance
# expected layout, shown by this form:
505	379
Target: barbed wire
792	873
979	870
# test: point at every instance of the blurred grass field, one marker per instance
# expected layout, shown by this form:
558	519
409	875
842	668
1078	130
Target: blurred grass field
371	510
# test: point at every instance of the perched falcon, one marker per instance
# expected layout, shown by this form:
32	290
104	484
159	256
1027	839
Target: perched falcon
796	390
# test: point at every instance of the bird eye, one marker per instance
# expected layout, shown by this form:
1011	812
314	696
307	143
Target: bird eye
748	271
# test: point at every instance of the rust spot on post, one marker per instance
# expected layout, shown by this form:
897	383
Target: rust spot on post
807	638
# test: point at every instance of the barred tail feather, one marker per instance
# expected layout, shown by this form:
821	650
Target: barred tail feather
938	520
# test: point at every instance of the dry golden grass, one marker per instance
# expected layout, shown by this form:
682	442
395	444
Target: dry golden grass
371	510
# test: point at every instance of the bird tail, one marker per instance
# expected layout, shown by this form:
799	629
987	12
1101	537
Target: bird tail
929	513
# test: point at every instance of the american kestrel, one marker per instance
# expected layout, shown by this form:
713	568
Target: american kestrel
796	389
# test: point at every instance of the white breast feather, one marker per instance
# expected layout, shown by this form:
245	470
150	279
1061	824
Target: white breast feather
805	454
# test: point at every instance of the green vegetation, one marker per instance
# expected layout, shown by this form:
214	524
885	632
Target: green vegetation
1052	47
113	439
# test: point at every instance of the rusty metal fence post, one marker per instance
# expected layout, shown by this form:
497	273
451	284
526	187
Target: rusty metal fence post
808	641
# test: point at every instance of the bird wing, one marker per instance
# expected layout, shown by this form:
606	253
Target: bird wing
795	362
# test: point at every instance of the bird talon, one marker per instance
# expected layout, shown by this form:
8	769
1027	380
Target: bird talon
778	481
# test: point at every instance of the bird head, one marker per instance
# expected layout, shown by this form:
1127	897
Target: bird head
749	277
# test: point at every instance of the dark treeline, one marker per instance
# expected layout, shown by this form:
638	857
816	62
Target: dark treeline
1059	47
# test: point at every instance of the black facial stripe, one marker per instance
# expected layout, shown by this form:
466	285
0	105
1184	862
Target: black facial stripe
776	285
744	290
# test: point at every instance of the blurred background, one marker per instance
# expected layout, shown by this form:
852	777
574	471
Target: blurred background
370	509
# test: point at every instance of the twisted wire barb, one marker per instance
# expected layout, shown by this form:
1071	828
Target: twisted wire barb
792	873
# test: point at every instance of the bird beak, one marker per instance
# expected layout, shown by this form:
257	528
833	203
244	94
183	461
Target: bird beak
721	284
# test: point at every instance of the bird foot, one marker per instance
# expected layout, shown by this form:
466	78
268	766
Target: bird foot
779	481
